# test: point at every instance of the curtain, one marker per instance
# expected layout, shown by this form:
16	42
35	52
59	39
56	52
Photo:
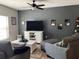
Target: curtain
4	28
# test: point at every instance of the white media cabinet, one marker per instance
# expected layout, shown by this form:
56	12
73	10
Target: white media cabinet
34	35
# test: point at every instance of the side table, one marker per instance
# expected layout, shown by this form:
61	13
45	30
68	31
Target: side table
32	44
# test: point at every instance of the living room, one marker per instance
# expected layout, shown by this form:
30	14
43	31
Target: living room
63	17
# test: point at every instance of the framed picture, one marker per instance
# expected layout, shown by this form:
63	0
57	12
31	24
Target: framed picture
13	20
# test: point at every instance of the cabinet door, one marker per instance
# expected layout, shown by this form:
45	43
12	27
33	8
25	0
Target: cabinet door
39	37
26	35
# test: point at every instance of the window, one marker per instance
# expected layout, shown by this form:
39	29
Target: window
4	28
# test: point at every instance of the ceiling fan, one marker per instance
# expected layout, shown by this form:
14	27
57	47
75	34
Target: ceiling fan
34	5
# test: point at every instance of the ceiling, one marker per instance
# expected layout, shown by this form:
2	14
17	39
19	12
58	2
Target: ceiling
22	4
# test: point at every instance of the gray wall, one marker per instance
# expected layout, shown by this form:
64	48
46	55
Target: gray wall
13	29
58	13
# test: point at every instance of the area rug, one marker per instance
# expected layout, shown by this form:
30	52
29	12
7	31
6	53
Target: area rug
39	54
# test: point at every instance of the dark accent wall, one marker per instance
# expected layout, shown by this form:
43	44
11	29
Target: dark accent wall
58	13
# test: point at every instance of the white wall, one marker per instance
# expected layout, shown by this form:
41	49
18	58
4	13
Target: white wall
13	29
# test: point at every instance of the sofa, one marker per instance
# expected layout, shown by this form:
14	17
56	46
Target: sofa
9	52
73	51
68	48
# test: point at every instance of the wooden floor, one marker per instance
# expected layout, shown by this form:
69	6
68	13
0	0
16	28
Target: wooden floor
38	54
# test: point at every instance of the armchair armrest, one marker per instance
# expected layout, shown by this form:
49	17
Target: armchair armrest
2	55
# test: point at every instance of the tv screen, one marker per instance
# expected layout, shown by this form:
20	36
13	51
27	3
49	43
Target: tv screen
34	25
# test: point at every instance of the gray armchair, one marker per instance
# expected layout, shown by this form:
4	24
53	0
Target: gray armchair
55	52
52	41
7	52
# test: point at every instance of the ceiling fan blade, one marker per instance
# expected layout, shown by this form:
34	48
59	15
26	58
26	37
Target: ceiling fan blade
29	4
39	8
41	5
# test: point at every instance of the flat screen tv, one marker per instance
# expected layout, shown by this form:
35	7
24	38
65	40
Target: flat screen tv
34	25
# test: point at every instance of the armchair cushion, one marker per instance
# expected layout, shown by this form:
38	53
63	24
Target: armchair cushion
20	50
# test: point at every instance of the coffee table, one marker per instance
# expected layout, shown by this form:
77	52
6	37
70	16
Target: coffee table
31	43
